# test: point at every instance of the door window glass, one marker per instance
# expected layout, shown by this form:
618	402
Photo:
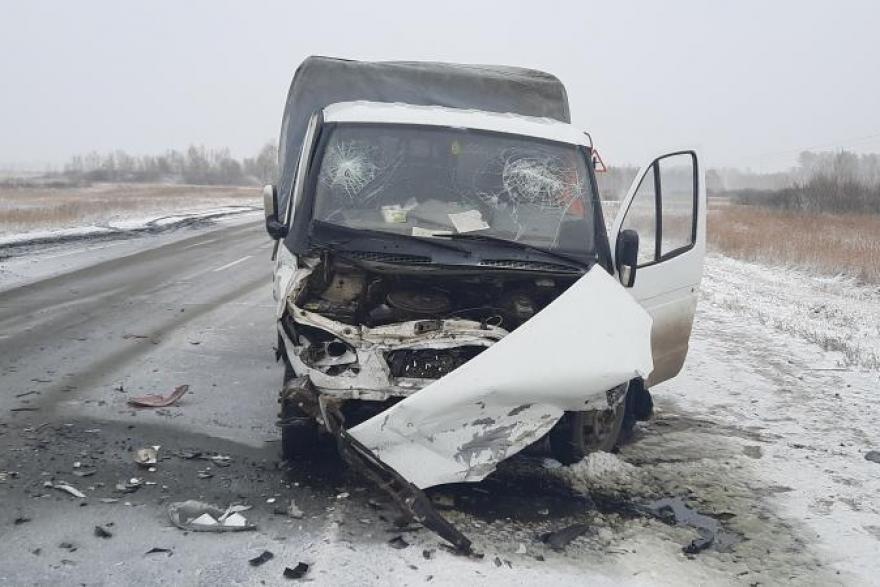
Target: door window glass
642	217
677	202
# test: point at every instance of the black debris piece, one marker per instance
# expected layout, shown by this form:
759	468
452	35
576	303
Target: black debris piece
398	542
21	520
297	572
428	553
69	546
559	539
263	557
102	532
158	549
497	562
873	456
701	543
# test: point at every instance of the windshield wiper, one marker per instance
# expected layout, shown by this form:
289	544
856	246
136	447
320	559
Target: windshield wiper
367	232
517	245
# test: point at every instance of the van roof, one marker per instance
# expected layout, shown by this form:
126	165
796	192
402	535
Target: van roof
399	113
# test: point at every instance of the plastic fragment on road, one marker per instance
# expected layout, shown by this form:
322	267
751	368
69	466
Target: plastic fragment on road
159	549
129	486
102	532
159	401
559	539
147	457
297	572
261	558
65	487
198	516
589	340
398	542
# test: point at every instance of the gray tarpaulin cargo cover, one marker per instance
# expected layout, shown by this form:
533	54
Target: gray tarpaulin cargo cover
320	81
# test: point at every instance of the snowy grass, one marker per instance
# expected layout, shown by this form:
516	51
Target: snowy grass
39	208
832	244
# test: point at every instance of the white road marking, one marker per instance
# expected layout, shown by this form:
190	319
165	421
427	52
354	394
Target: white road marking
236	262
213	240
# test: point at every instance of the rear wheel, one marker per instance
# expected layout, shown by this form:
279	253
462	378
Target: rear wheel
581	433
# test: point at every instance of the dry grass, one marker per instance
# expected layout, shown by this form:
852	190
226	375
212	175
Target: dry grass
834	244
26	209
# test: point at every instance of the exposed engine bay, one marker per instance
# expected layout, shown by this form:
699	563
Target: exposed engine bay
358	327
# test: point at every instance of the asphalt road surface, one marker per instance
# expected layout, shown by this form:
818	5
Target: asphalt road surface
116	320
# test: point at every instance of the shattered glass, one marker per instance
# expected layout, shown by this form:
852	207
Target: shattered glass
418	180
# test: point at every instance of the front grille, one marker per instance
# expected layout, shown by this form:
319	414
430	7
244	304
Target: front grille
429	363
527	265
386	257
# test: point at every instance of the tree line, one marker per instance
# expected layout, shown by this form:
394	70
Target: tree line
839	182
197	165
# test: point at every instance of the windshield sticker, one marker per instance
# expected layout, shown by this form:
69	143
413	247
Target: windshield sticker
469	221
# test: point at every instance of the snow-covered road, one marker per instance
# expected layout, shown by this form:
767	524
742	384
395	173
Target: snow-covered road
765	431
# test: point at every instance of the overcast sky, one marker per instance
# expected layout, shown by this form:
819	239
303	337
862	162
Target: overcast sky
750	83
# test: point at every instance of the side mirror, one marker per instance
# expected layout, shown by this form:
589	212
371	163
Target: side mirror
627	256
275	228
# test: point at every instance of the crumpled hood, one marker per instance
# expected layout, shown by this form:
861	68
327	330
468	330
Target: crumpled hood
590	339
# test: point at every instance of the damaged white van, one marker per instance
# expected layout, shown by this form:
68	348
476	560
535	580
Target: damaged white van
447	292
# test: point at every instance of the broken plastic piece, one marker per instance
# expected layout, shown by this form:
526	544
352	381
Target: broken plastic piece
297	572
159	401
261	558
65	488
102	532
198	516
398	542
147	457
559	539
157	549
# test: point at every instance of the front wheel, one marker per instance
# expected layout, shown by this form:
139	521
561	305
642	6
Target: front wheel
299	431
580	433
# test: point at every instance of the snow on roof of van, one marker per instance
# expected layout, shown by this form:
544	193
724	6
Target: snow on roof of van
399	113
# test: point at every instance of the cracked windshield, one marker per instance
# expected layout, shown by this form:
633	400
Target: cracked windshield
442	181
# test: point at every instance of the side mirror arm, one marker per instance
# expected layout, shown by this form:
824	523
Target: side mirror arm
626	254
275	227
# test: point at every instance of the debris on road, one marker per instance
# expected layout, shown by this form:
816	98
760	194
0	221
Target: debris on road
398	542
293	511
158	549
84	472
198	516
102	532
129	486
261	558
159	401
20	520
66	488
559	539
297	572
147	457
873	456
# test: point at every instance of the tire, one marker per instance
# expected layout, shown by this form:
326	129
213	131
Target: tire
580	433
300	437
